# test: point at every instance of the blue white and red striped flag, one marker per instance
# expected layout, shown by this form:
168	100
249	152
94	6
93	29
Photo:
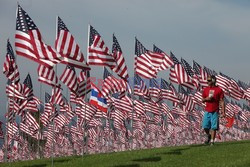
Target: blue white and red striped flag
97	99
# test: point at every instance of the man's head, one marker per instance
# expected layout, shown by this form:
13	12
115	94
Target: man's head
211	80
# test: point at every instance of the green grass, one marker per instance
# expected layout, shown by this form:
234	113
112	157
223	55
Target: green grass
221	155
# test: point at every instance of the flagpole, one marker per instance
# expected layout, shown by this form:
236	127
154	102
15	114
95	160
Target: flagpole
39	131
88	36
6	136
85	135
109	119
54	107
132	129
84	126
106	120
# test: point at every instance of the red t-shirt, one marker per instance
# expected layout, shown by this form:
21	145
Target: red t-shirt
217	94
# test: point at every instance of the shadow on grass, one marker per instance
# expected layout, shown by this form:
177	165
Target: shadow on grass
149	159
131	165
198	145
61	160
236	142
173	153
39	165
177	151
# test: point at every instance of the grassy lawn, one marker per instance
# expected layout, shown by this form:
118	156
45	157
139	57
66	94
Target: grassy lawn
221	154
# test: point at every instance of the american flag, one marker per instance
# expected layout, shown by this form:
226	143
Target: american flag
15	106
85	111
187	99
98	53
60	120
223	82
198	98
107	86
123	104
120	68
47	75
152	107
69	78
84	83
66	45
139	107
146	62
165	108
167	61
10	68
12	129
167	92
202	74
29	41
246	90
57	97
154	88
31	121
14	90
243	85
32	106
140	88
26	129
48	109
47	97
28	87
235	91
209	71
112	85
175	69
192	79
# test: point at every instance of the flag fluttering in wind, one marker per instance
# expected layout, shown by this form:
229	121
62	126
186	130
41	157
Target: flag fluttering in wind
98	52
28	87
201	73
69	78
167	61
66	45
10	68
29	43
97	99
120	67
84	82
47	75
193	79
147	63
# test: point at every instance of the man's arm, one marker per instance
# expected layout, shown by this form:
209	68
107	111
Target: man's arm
222	104
206	99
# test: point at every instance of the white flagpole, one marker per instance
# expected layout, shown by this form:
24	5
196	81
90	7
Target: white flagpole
6	136
52	157
39	131
85	135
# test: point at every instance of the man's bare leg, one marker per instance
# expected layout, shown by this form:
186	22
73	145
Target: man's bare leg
213	134
208	136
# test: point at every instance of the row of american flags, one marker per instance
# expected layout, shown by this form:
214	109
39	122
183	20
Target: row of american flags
122	112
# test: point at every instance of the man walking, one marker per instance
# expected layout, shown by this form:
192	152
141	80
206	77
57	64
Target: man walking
213	96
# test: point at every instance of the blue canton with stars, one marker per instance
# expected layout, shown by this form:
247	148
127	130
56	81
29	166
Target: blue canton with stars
139	48
61	25
92	34
24	22
116	46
